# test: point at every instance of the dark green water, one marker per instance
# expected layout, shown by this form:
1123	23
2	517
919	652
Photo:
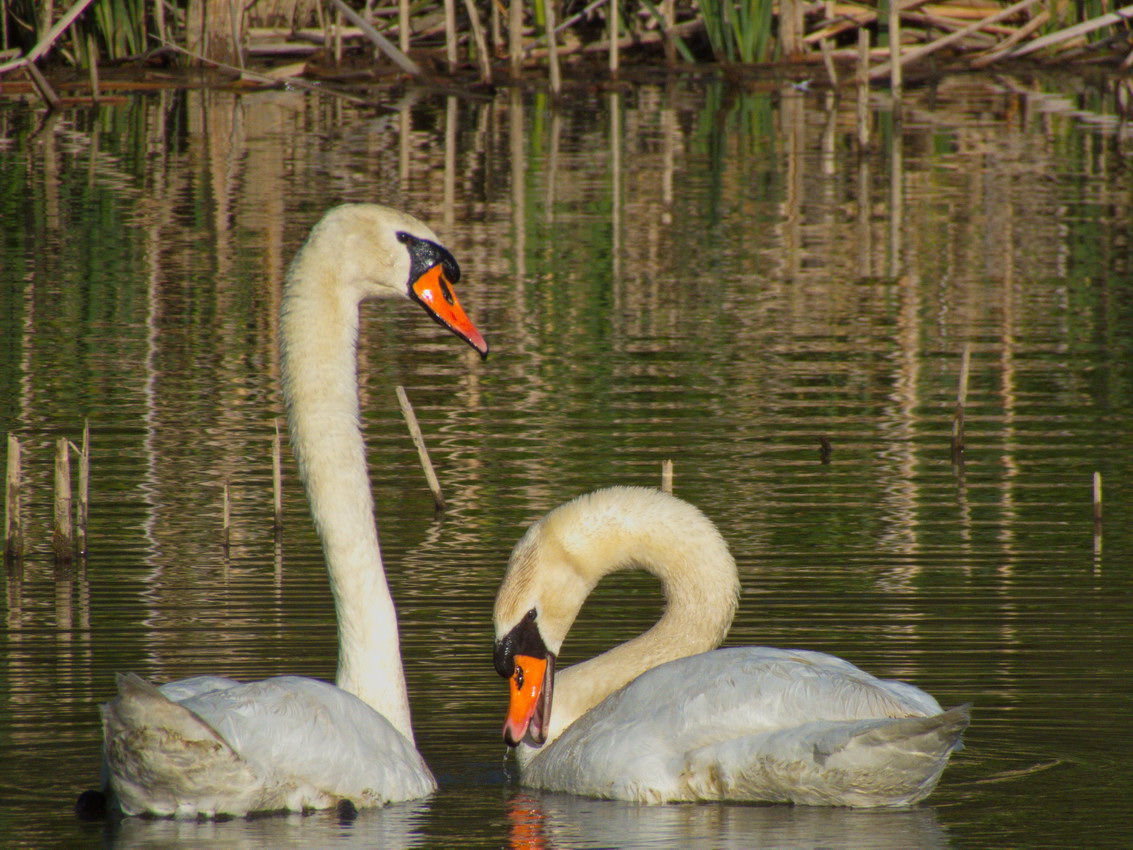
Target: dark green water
715	277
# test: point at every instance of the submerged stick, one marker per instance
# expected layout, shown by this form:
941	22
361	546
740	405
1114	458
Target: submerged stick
63	539
422	452
13	525
666	476
277	479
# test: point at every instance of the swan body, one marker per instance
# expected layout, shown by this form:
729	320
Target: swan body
211	746
667	717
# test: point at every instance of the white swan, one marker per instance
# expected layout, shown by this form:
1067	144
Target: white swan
211	746
653	721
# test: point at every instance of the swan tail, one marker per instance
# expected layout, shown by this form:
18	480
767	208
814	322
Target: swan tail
862	763
162	759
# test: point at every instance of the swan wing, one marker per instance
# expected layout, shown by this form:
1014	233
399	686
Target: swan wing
709	726
225	747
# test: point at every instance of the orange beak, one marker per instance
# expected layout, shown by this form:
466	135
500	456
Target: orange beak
529	709
435	293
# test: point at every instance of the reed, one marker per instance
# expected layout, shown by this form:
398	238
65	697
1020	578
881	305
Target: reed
452	35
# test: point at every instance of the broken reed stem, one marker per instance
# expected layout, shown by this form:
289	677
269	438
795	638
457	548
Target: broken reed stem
961	401
277	479
13	525
422	452
63	540
863	88
1097	503
666	476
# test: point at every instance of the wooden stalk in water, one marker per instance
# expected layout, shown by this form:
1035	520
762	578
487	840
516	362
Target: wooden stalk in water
225	519
422	452
667	476
13	526
63	541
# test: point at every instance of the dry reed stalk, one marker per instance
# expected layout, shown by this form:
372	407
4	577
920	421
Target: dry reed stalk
452	37
552	47
863	88
613	18
515	36
1116	17
1004	47
895	50
666	476
63	542
422	451
403	25
13	522
951	38
383	44
669	13
483	58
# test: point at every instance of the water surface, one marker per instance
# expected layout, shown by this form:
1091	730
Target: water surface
714	276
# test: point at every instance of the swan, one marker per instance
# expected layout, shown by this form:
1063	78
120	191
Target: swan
668	717
210	746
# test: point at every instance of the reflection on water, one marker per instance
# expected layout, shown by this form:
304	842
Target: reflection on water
717	276
550	821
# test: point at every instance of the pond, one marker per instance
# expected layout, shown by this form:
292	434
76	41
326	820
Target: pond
720	276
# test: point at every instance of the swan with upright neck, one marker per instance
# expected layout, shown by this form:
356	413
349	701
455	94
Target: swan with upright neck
210	746
668	717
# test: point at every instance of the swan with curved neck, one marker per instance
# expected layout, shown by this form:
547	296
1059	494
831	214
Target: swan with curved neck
208	745
669	717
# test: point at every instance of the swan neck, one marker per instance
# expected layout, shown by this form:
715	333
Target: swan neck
319	335
698	577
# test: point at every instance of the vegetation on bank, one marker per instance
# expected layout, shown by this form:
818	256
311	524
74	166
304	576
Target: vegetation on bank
291	38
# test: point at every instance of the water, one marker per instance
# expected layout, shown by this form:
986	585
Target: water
693	273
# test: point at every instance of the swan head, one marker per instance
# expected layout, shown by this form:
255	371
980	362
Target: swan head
367	250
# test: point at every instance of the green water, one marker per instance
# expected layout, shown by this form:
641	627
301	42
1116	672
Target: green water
716	277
